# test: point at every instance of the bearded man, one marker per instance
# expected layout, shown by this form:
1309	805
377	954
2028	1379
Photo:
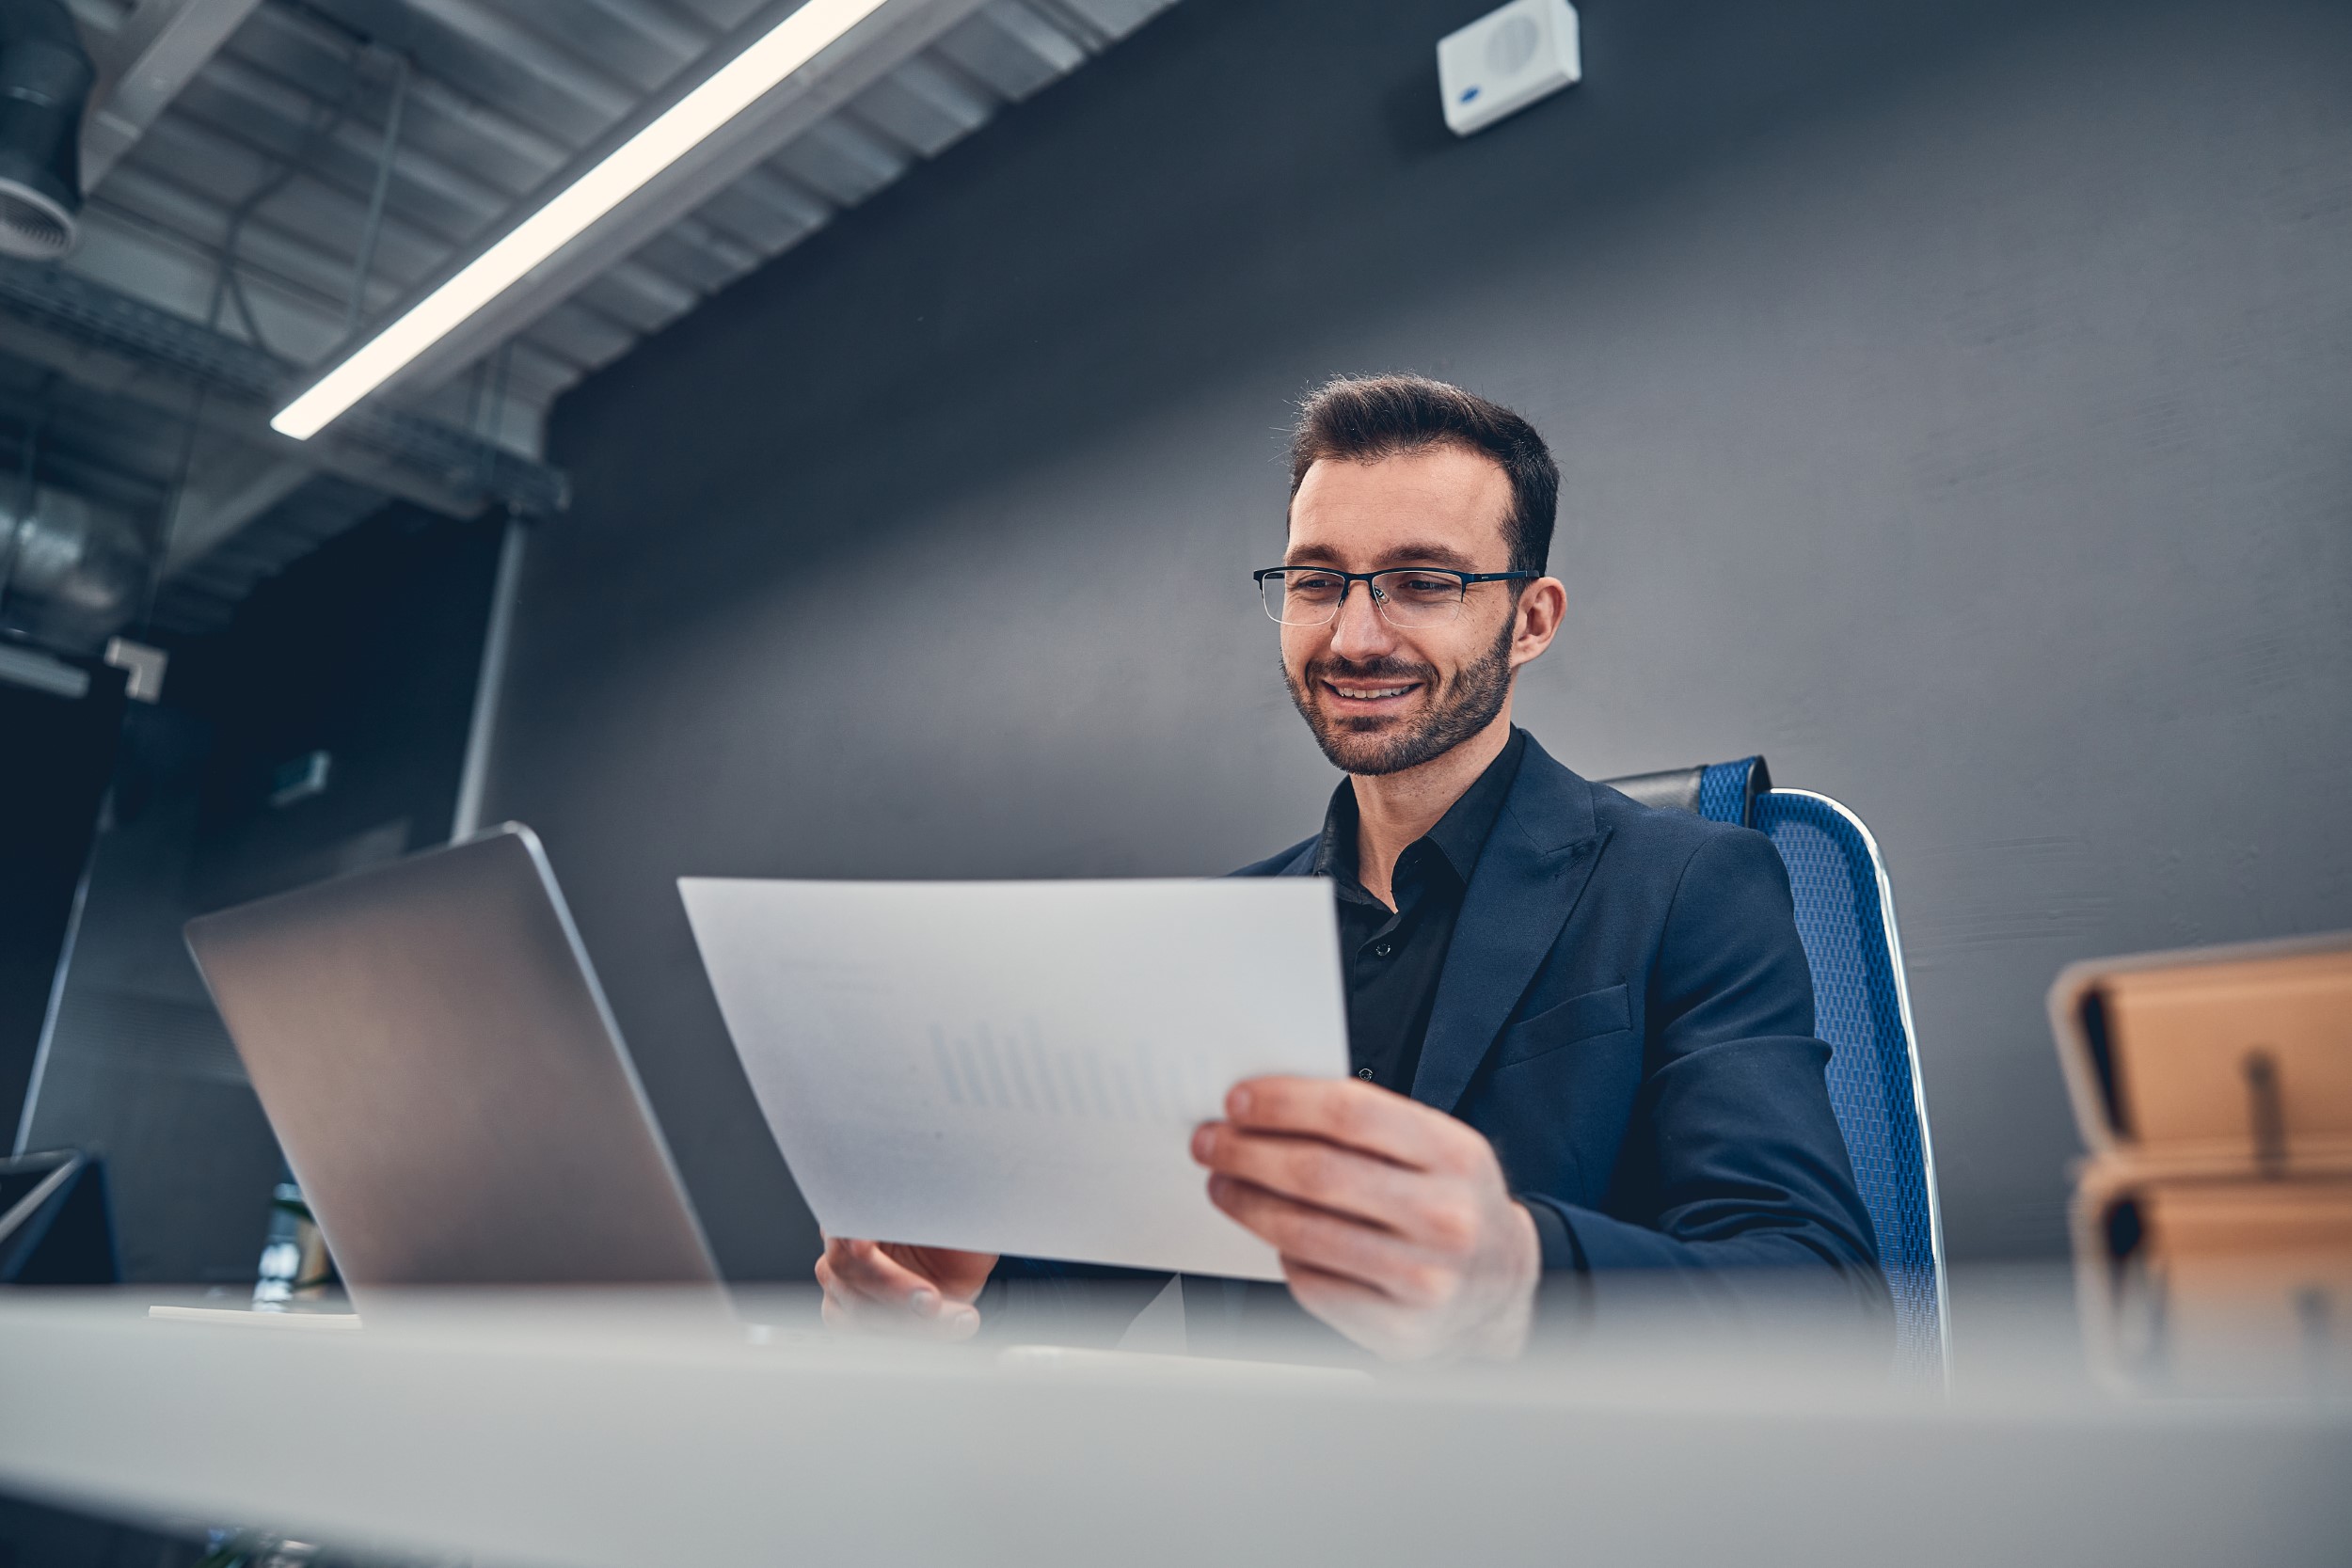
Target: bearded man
1580	1029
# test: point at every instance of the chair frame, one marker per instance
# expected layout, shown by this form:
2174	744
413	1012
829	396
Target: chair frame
1911	1049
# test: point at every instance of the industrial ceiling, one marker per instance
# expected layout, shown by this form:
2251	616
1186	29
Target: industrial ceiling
267	181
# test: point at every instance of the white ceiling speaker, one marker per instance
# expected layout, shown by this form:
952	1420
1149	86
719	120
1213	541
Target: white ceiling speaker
1506	60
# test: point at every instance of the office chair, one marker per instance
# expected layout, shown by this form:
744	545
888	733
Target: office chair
1846	919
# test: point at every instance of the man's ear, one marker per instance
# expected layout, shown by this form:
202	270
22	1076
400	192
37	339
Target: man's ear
1542	606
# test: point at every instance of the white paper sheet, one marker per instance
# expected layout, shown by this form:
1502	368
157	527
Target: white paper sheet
1018	1067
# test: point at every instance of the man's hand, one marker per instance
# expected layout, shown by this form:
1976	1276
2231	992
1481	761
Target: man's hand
884	1287
1392	1220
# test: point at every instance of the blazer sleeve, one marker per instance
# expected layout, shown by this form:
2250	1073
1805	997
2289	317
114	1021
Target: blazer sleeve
1736	1180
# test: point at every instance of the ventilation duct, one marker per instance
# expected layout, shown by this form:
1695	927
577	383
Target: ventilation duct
70	572
45	78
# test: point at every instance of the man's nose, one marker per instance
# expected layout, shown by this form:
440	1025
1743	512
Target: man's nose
1360	631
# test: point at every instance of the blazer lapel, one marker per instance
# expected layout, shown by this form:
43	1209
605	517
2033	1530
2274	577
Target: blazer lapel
1526	884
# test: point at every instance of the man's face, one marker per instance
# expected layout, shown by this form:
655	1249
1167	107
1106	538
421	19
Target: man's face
1381	698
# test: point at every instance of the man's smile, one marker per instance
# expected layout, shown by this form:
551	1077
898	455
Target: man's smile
1364	696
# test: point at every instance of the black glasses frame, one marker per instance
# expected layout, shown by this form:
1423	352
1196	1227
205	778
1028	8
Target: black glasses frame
1349	580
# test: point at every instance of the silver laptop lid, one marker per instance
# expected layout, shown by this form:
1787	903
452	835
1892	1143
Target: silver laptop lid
432	1048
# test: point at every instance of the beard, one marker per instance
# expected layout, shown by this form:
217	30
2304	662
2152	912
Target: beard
1455	709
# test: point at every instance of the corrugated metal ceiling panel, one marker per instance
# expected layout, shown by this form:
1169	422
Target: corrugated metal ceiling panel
244	204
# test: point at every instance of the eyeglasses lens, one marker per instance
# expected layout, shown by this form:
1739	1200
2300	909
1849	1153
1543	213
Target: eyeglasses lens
1405	597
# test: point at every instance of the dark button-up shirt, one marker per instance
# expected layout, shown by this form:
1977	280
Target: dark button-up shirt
1392	957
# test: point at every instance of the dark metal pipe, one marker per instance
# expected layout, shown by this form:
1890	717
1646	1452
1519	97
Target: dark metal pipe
45	78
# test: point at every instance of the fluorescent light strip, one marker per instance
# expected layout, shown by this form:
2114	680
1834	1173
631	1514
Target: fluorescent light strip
734	87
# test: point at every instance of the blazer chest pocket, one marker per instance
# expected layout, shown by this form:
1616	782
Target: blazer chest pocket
1580	1017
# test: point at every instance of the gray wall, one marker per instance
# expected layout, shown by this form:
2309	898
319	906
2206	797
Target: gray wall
1955	402
368	650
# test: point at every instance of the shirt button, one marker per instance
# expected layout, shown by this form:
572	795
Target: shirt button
1363	1072
1382	951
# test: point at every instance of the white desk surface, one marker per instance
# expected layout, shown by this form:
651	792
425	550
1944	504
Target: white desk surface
602	1437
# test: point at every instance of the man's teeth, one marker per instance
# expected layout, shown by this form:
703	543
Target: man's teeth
1367	693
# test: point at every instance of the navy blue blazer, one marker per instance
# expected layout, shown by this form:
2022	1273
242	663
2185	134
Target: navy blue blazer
1627	1014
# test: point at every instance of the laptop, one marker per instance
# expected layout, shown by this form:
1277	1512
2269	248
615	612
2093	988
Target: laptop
433	1051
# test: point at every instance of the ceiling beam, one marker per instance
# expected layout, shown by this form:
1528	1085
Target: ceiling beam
121	375
868	52
130	349
158	52
229	487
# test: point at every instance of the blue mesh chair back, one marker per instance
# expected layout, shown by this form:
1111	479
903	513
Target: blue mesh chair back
1846	919
1727	790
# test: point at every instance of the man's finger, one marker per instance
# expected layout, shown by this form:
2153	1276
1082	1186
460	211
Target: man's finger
1337	1298
1362	1115
1363	1314
1326	1174
1333	1243
863	1268
932	1320
874	1289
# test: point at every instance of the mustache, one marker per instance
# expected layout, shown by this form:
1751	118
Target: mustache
1333	667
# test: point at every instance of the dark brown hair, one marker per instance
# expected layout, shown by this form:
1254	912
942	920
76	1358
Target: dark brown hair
1360	419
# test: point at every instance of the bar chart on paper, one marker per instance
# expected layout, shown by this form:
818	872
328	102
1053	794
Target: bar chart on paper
1018	1067
1014	1069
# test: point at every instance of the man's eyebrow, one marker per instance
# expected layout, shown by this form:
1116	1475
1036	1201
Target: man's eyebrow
1404	555
1429	555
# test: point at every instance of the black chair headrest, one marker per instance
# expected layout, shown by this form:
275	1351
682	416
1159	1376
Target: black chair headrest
1725	791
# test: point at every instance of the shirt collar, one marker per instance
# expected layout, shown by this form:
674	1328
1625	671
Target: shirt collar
1460	835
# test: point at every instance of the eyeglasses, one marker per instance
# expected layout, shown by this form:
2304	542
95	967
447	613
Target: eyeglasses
1405	595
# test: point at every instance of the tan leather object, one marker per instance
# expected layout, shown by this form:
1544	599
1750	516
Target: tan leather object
2191	1048
2217	1286
2229	1058
2213	1223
